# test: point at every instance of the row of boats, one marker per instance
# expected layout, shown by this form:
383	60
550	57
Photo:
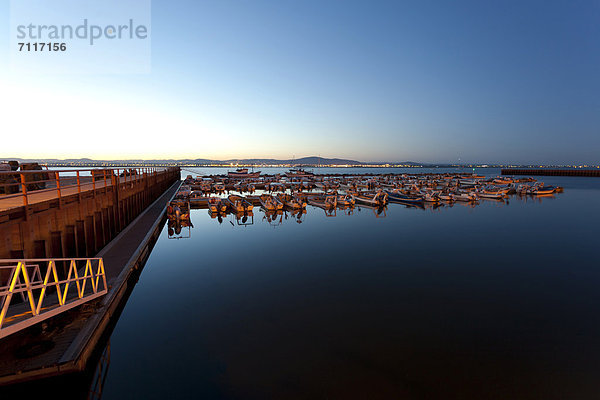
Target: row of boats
270	202
443	187
373	191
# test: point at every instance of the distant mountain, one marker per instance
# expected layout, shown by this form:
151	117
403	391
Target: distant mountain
247	161
314	160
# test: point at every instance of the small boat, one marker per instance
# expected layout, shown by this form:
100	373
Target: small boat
430	196
197	198
468	182
293	202
486	194
178	212
404	198
465	196
346	200
240	186
184	191
219	187
523	189
537	189
206	184
379	199
239	204
542	190
270	203
447	197
295	186
298	173
216	205
276	187
242	173
306	185
325	202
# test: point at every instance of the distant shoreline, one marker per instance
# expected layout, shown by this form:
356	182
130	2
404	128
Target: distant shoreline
114	165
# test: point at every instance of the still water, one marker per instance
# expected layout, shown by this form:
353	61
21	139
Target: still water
496	301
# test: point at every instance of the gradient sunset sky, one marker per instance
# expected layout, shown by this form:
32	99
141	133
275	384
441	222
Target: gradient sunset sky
496	82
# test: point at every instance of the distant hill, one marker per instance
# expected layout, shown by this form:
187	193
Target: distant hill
313	160
248	161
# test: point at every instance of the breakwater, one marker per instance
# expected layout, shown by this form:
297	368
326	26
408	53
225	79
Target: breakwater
551	172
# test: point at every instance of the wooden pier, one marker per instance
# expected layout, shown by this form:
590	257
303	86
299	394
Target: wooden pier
551	172
73	213
125	218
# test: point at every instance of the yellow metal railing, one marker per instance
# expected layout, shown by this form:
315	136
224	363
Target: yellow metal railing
33	289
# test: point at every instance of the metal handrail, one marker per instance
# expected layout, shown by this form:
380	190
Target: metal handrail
52	181
32	278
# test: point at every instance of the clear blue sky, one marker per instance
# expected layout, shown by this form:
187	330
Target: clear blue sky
507	81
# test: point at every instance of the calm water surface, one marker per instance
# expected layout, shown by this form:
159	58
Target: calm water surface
497	301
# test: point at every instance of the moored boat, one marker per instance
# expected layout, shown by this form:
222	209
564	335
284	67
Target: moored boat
239	204
465	196
378	199
216	205
242	173
327	202
404	198
346	200
270	203
290	201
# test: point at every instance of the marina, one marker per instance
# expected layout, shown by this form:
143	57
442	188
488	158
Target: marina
300	200
276	201
410	305
274	192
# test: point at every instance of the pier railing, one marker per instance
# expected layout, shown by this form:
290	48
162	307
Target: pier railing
36	289
45	184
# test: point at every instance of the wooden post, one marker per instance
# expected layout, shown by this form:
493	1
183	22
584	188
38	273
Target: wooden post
24	190
57	176
78	183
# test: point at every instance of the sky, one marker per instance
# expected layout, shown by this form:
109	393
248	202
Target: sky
425	81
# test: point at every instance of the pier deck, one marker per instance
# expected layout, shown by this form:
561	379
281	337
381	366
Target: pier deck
39	196
72	337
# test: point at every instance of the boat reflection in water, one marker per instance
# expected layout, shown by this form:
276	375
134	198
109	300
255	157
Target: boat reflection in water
277	208
178	217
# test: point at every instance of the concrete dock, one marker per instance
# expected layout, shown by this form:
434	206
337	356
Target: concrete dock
65	343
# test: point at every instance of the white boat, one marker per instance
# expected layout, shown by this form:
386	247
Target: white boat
270	203
487	194
378	199
239	204
448	197
326	202
216	205
293	202
465	196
